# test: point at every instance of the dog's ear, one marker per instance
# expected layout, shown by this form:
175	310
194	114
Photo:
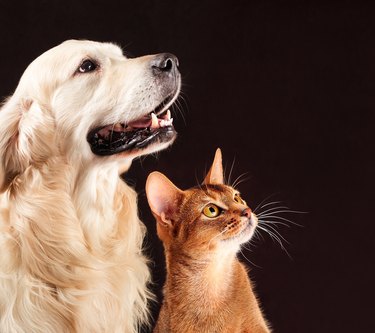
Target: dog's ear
26	136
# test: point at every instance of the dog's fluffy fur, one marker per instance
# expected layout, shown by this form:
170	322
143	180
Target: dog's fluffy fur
70	237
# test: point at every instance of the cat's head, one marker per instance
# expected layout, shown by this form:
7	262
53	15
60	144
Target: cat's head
203	218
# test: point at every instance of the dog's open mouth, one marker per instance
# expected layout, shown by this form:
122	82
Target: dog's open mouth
137	134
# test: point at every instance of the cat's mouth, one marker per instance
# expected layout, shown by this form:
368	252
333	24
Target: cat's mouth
245	233
116	138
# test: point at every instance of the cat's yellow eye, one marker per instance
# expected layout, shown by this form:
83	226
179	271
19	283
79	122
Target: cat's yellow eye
238	199
211	210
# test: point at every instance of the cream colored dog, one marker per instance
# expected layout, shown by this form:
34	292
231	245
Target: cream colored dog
70	237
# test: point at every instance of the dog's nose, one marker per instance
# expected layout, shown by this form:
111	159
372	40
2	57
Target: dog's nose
164	63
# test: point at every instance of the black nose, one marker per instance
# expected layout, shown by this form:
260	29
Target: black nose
164	63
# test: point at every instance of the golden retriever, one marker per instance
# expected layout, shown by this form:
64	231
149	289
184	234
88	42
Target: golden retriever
70	238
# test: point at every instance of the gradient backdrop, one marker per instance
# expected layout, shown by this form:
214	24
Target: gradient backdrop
285	89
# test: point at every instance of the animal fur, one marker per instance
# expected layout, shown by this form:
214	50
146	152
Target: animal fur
70	236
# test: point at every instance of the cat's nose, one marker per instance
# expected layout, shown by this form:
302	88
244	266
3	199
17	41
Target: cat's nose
246	212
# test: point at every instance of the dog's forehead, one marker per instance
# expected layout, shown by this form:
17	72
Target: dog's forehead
76	49
63	59
72	52
87	46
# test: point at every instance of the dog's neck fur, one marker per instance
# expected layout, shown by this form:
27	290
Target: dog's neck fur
87	228
97	191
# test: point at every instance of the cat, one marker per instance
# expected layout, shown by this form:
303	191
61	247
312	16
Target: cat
207	288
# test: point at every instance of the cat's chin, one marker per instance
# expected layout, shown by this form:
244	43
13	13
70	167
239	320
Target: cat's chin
246	234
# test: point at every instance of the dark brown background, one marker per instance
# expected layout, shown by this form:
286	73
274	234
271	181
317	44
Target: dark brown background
284	88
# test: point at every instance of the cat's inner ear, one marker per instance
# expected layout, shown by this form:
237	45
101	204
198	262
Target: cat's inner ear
163	197
216	174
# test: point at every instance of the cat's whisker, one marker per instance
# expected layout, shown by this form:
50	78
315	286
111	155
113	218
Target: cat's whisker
270	216
258	235
276	232
282	210
273	209
249	261
209	242
239	179
242	181
199	184
263	201
276	238
274	222
269	203
230	172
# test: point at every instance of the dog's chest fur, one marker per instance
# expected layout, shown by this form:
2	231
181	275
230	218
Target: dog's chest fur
71	253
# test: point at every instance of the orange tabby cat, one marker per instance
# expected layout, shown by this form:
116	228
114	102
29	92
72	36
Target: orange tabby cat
207	289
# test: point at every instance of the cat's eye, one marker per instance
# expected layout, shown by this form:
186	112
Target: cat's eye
238	199
211	210
87	66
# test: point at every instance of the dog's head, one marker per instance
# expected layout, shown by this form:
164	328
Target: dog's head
87	102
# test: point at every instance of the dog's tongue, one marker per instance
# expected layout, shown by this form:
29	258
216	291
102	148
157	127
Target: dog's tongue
141	123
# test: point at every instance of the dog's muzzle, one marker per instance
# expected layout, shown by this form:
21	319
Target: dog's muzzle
155	126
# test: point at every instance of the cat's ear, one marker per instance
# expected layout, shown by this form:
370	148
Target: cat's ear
163	197
216	174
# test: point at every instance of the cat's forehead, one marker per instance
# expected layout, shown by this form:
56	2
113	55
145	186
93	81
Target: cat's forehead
213	190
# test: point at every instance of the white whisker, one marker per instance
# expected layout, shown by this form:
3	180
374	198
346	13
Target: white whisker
281	211
272	209
264	200
208	245
248	260
240	180
230	172
278	218
273	222
276	232
276	238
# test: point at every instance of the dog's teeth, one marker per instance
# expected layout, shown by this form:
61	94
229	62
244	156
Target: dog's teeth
168	122
117	127
162	123
154	121
168	115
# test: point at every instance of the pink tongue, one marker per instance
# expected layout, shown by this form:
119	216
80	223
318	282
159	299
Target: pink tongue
139	123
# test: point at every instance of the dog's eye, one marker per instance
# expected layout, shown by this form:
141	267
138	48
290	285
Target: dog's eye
87	66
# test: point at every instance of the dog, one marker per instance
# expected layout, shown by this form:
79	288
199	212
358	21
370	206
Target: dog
70	237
